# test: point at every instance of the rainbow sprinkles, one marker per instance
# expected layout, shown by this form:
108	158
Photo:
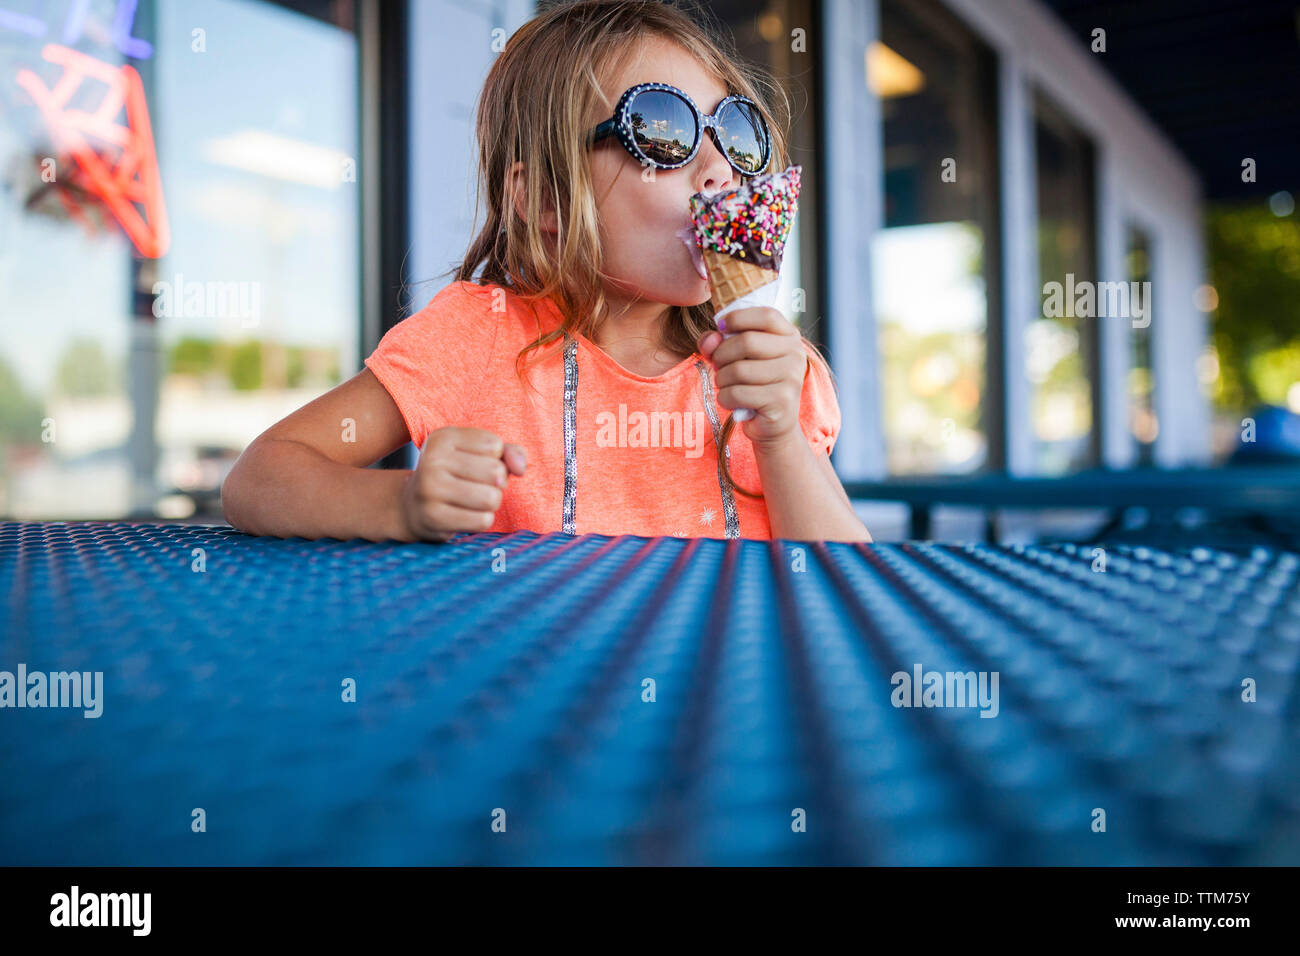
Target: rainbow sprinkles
751	222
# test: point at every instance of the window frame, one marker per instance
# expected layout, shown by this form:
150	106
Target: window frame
385	216
1046	110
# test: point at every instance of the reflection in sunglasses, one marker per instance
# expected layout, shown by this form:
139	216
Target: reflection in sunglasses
739	128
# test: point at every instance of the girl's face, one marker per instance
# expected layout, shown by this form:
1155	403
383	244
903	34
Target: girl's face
640	215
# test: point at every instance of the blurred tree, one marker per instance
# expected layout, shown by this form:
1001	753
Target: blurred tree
295	367
246	366
1255	269
84	370
20	413
192	356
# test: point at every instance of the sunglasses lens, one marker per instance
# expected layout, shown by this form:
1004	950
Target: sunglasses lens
663	127
744	136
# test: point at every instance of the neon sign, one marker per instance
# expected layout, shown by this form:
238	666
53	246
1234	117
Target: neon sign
74	26
133	178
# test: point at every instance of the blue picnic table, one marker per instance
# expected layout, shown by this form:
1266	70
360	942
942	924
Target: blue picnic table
552	699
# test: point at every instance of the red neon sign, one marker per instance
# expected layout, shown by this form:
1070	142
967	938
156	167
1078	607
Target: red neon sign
133	179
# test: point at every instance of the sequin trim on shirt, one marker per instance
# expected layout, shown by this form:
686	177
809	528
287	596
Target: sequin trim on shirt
728	500
571	441
570	433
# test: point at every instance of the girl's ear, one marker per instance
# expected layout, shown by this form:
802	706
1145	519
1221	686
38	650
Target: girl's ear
517	193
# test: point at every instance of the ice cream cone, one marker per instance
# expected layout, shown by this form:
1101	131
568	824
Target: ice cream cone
741	235
732	278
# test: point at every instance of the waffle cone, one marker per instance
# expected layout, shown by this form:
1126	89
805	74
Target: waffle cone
732	278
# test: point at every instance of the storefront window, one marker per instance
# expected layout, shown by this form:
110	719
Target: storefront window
935	262
179	243
1061	354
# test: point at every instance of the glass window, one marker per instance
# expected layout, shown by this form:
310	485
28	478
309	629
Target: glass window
1142	412
1061	355
179	243
935	262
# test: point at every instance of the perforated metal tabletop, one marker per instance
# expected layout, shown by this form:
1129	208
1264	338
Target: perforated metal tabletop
548	699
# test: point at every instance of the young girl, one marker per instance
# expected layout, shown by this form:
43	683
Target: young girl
580	383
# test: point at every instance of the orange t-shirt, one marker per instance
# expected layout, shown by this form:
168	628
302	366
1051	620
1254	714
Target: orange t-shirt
641	452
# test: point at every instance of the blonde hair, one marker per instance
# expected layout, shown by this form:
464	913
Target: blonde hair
534	108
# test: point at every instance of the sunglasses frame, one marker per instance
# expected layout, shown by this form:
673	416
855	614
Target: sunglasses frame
620	124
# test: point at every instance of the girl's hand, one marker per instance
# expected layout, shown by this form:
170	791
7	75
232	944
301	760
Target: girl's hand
760	365
457	484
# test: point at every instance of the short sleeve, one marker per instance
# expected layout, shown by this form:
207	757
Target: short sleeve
432	362
819	409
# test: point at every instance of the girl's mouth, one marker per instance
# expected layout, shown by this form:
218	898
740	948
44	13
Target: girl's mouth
687	236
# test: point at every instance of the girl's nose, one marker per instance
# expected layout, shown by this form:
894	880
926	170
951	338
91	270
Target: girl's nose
714	168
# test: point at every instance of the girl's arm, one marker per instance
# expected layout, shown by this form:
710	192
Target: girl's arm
805	500
307	475
762	366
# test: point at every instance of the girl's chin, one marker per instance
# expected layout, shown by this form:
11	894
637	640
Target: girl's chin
689	291
701	290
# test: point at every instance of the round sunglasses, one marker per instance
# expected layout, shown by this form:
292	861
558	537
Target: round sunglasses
660	126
